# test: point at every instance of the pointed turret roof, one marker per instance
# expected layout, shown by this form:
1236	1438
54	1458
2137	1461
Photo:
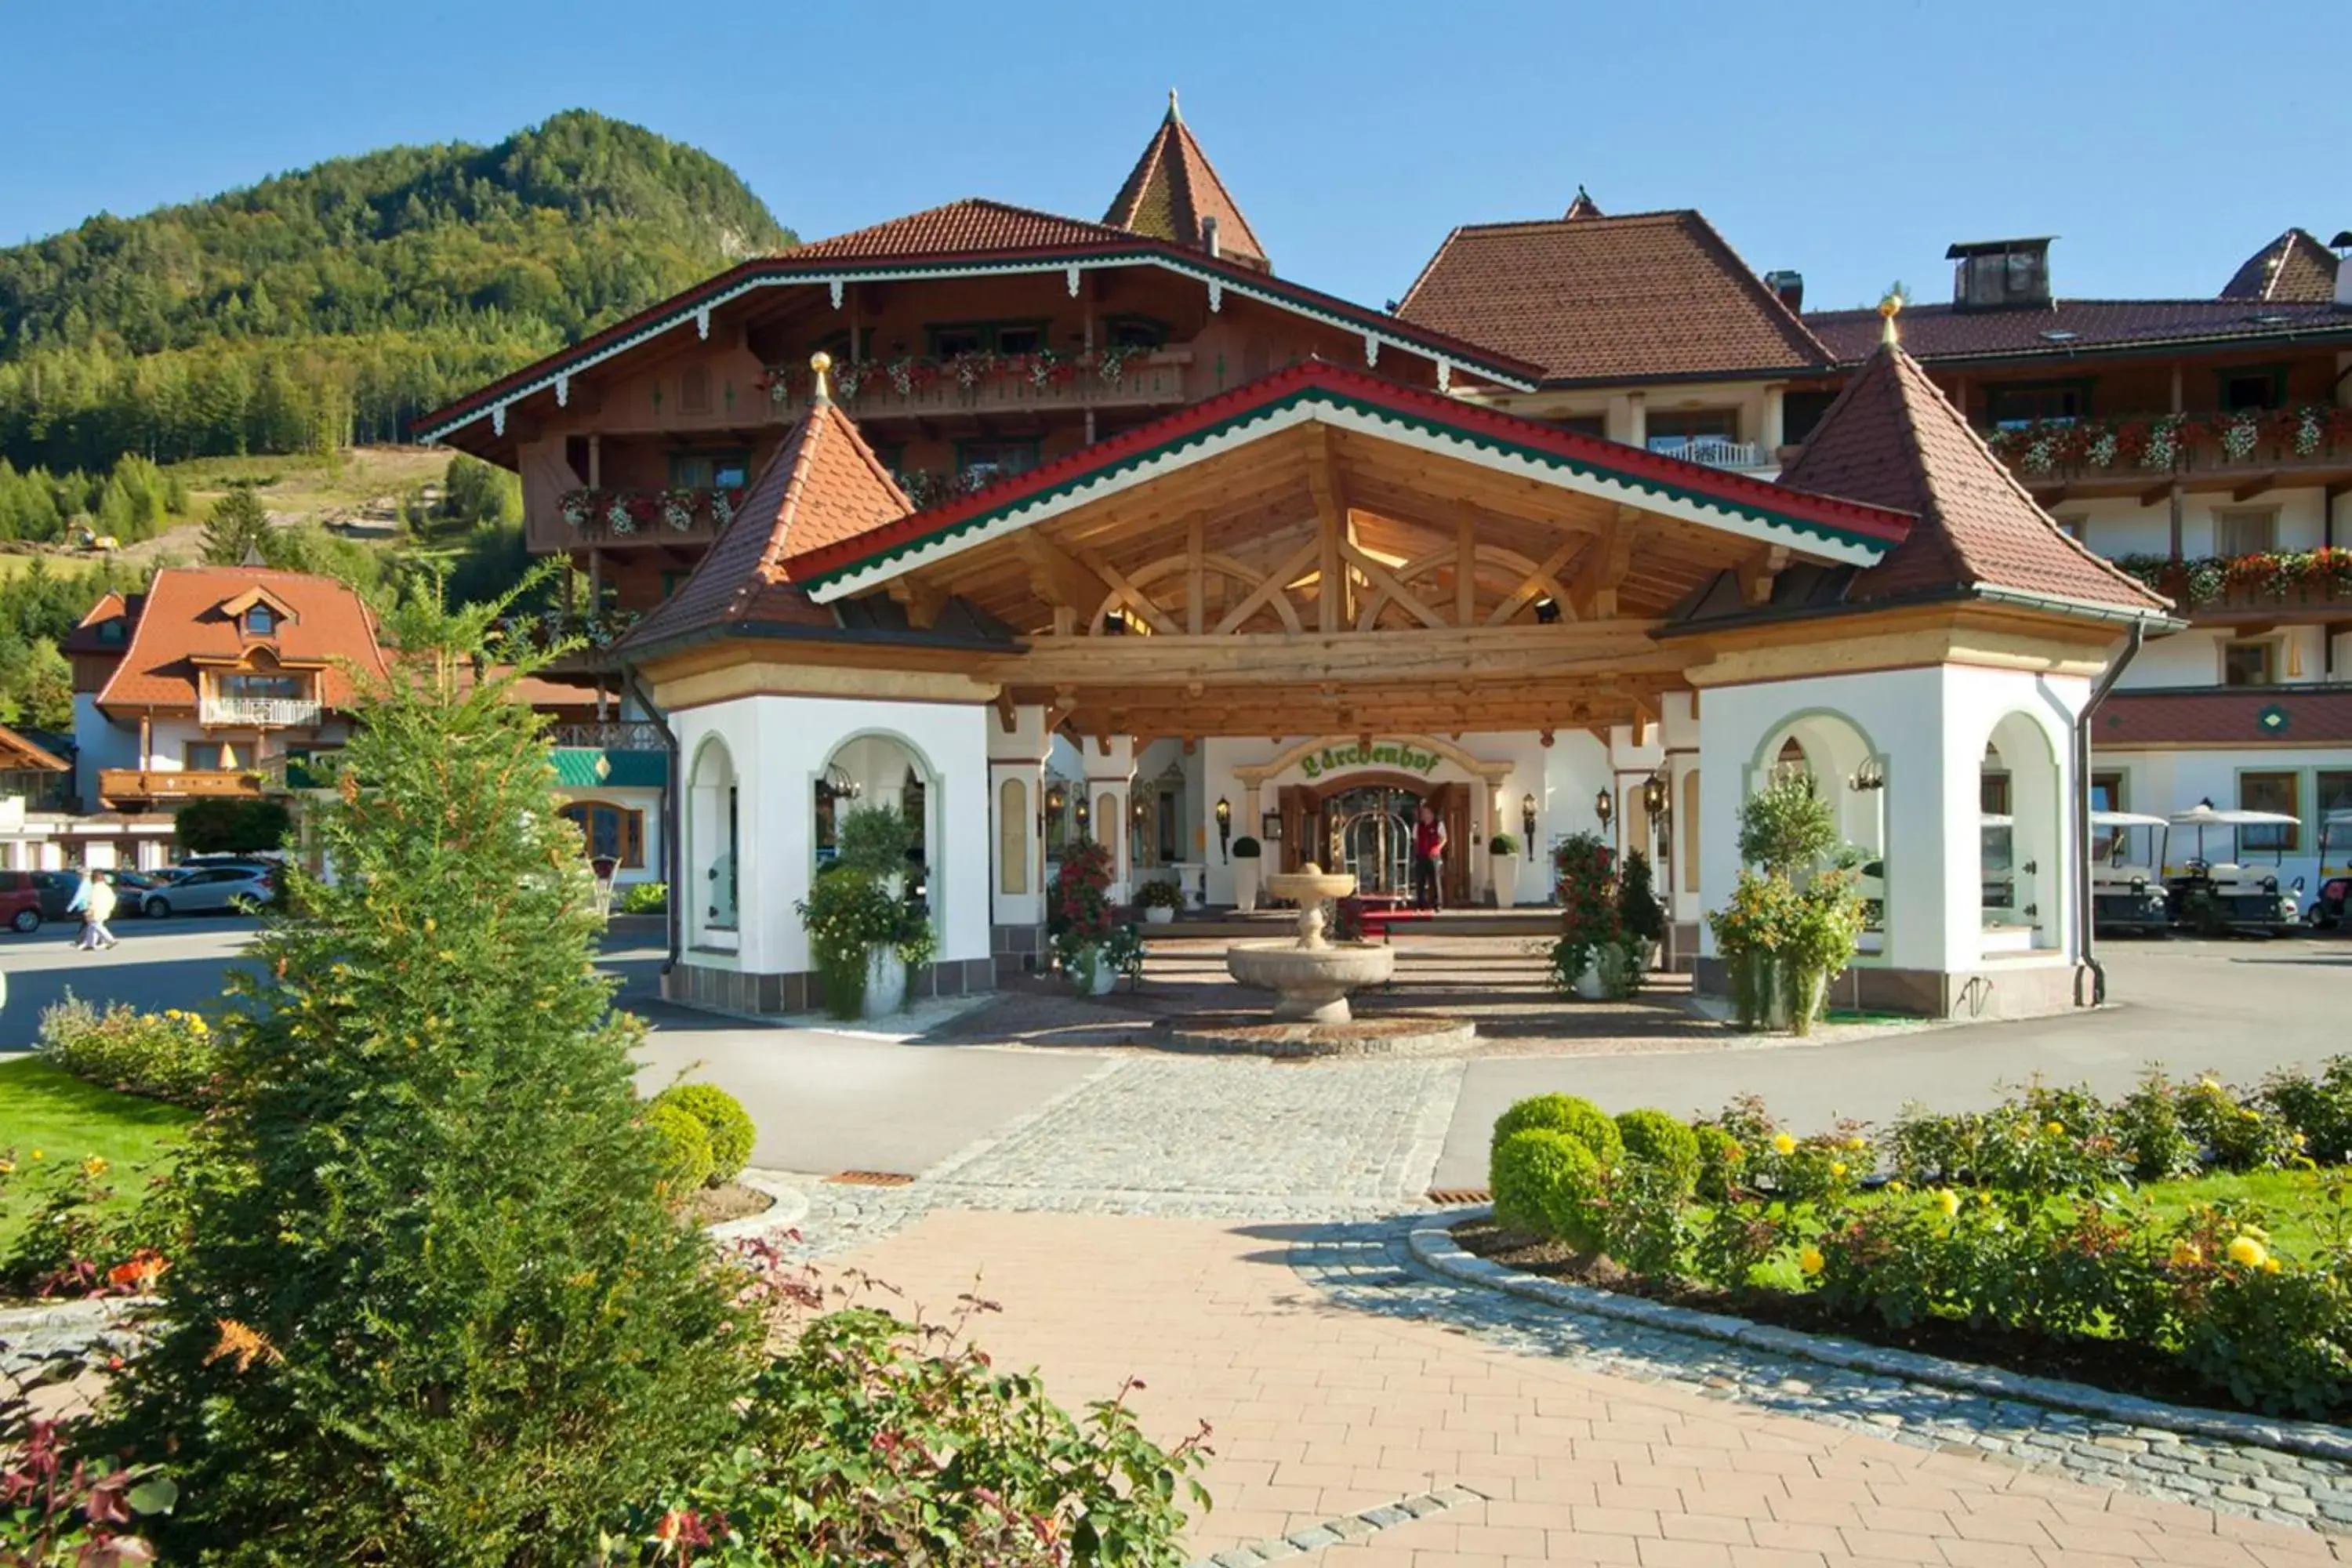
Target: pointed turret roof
824	485
1893	439
1174	191
1582	206
2295	268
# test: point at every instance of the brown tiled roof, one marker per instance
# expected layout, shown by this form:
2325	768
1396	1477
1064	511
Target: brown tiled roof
19	754
182	619
1173	188
89	637
973	224
1893	439
1591	297
2224	715
2295	268
1938	333
824	485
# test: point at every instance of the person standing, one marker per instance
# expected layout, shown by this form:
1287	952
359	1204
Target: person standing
1428	858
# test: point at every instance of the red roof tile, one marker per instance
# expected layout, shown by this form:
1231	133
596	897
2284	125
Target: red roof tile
2295	268
1591	297
1893	440
182	620
1936	332
1173	189
973	224
2223	716
824	485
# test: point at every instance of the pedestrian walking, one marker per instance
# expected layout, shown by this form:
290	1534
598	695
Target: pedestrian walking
95	901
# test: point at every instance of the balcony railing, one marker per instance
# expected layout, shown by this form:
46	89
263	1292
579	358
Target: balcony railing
2144	446
1713	450
613	735
994	382
2268	583
136	786
264	713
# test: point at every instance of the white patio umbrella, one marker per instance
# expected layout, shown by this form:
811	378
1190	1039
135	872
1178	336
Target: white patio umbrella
2120	822
2203	816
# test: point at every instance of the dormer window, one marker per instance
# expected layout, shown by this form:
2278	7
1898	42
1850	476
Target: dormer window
1997	274
260	621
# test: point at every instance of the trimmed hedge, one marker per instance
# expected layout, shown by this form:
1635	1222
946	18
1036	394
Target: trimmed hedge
1654	1138
1580	1119
724	1124
684	1147
1542	1177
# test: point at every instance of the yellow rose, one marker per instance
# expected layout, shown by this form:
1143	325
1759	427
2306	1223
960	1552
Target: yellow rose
93	1167
1810	1260
1898	1185
2248	1253
1837	1167
1984	1200
2270	1265
2212	1083
198	1026
2055	1129
1949	1200
1784	1144
2184	1254
1857	1142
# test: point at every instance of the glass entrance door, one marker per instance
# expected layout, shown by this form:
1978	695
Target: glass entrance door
1369	832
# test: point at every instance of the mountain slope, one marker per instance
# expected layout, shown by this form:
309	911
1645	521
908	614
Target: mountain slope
333	302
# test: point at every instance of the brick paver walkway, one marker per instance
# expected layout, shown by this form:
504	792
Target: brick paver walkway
1321	1413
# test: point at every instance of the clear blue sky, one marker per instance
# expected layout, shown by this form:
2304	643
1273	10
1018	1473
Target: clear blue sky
2163	141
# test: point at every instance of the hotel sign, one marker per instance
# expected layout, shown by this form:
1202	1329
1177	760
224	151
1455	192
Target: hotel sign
1378	753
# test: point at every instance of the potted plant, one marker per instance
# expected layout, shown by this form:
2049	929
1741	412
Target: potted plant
1503	852
1159	900
1592	959
1795	915
1638	910
865	933
1079	920
1245	858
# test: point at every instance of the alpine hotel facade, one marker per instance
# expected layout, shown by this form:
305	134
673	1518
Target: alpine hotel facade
1035	526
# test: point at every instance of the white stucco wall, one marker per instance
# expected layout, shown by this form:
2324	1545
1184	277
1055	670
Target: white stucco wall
779	746
2160	782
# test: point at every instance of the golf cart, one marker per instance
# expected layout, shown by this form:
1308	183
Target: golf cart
2211	897
2326	910
2128	897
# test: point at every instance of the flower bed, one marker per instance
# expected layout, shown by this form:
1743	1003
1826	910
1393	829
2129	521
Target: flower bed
2181	1242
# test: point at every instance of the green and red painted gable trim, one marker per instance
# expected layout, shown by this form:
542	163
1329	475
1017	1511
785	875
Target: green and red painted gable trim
1314	390
696	304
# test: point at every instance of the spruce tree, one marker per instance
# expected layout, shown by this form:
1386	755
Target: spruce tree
236	527
436	1308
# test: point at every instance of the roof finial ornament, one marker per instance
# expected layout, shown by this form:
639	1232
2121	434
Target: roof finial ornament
821	362
1888	309
1172	113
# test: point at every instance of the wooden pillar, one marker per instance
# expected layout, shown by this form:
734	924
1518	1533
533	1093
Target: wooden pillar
596	461
595	580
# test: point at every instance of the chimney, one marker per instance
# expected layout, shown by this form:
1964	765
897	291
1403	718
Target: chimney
1790	286
2000	274
2342	246
1209	235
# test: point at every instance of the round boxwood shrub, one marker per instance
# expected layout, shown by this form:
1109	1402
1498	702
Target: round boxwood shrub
724	1122
1721	1162
1580	1119
1654	1138
1528	1171
684	1146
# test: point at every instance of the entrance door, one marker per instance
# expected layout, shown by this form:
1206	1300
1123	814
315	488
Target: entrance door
1453	803
1369	831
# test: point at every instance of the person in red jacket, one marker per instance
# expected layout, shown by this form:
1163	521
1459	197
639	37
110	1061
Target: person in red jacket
1428	857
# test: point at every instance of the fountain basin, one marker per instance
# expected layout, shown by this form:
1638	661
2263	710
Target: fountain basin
1310	983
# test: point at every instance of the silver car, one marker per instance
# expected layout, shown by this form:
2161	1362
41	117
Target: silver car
209	887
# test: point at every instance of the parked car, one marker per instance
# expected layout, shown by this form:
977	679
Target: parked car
132	887
56	890
211	887
20	901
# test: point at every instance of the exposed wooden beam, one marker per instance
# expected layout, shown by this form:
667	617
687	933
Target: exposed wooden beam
1466	572
1196	575
1381	577
1127	593
1756	573
1271	590
1603	569
2154	493
1311	658
1534	582
1331	518
2254	487
1055	578
924	600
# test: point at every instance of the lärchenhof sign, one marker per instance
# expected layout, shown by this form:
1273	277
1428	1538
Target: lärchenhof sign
1372	754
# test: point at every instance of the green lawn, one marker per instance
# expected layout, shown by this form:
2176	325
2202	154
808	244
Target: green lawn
68	1120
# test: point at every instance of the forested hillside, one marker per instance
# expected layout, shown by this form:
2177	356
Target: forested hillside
332	305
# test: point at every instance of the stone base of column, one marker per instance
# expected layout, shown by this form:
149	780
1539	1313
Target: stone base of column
1017	950
734	991
2029	986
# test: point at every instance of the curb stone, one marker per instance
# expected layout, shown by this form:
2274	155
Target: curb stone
1357	1526
1434	1247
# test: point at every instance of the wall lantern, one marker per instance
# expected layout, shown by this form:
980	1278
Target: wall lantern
1136	811
1604	806
1226	826
1056	797
1084	814
837	785
1528	823
1871	775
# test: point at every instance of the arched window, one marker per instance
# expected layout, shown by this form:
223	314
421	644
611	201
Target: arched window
1013	837
610	832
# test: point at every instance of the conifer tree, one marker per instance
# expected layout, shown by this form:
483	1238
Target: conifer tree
238	526
434	1309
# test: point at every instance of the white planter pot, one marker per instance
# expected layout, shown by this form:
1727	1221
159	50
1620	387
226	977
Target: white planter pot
1159	915
1588	984
1506	870
1245	883
1093	973
886	981
1785	996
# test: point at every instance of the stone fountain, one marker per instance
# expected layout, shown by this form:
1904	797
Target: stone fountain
1310	977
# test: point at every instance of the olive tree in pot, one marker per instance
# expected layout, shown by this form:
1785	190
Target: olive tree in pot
863	933
1504	861
1796	915
1245	868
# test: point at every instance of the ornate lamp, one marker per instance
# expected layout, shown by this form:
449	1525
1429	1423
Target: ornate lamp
1604	805
1658	800
1528	823
1225	828
1056	797
1871	775
1084	814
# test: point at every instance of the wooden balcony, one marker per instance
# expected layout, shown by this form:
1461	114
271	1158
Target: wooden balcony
972	387
2147	454
136	787
2286	588
259	713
